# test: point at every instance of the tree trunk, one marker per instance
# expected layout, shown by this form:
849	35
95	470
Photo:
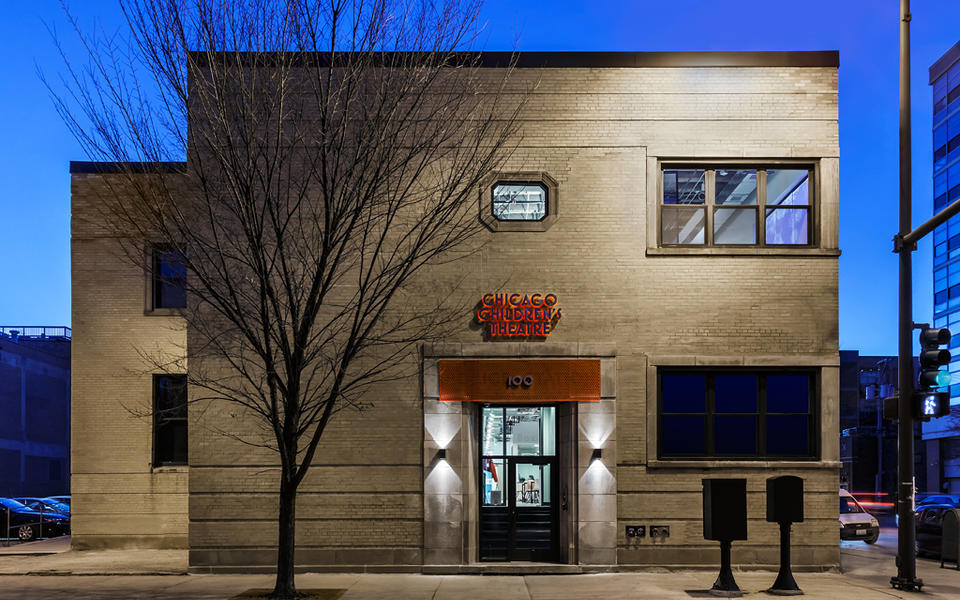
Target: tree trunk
285	587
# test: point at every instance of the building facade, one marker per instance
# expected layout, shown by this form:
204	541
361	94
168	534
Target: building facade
868	438
656	303
35	404
942	435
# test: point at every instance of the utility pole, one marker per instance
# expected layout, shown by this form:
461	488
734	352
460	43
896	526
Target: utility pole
906	578
904	243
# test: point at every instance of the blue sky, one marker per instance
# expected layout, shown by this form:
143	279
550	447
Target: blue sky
36	148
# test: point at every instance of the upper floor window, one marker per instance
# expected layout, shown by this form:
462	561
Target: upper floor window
736	205
168	278
169	420
519	201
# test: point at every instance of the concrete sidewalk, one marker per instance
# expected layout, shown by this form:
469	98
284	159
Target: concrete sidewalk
49	546
865	577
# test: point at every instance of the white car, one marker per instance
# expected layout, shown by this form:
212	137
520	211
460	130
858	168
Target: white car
856	523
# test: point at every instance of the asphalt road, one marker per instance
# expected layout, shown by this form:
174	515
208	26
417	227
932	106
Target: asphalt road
886	544
885	547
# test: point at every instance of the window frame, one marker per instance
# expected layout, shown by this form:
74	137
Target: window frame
504	458
709	207
152	266
813	414
158	420
538	178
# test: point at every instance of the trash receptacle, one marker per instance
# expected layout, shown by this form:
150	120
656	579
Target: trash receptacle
950	538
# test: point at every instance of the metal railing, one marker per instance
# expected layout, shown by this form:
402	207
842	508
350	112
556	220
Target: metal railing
11	533
35	332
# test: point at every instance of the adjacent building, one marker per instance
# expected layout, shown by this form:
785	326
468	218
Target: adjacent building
942	435
34	411
868	438
656	303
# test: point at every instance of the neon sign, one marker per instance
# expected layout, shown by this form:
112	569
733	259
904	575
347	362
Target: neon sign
519	315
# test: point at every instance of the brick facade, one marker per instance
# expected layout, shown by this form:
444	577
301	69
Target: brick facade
601	134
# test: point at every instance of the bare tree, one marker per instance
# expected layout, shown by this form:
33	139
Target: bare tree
305	160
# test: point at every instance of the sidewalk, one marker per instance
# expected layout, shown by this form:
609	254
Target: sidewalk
54	557
159	574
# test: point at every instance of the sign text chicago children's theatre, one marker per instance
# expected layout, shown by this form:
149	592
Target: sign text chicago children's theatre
518	315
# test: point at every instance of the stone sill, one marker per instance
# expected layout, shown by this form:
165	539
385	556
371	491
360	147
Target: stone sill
743	464
171	469
758	252
163	312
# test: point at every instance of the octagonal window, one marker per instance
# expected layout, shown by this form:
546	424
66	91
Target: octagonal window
519	201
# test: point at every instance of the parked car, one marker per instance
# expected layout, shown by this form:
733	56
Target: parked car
28	524
929	520
65	500
855	522
947	499
45	505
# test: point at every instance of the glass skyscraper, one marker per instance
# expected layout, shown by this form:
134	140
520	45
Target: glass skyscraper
942	436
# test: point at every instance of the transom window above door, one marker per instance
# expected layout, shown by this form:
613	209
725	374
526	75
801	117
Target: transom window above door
520	431
736	205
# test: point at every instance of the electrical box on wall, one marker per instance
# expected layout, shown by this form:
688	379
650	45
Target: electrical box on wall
636	531
659	531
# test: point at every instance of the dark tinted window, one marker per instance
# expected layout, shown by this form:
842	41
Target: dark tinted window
735	435
737	413
683	435
788	435
169	278
788	393
684	393
170	419
735	393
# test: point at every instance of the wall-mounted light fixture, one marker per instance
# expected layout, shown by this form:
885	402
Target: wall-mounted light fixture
441	455
596	455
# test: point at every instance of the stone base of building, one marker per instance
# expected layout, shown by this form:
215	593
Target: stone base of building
129	542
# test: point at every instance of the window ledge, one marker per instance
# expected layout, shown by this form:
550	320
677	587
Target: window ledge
171	469
759	251
164	312
743	464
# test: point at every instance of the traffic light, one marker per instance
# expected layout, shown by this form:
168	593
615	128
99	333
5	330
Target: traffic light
928	403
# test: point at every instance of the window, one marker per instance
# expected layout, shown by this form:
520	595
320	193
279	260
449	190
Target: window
169	420
737	414
515	432
736	205
168	278
517	201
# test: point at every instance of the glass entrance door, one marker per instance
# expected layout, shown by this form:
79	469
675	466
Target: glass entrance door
518	514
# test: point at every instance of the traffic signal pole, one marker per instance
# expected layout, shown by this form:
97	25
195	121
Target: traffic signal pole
904	243
906	578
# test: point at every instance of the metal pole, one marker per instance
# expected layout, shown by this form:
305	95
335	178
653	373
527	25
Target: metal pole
785	584
906	577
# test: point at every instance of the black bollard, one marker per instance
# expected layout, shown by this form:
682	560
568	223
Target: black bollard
785	585
785	506
725	584
725	520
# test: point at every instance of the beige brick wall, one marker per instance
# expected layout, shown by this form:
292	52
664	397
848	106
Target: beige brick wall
599	133
119	499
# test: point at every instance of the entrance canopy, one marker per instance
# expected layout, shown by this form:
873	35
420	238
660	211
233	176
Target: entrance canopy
519	380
